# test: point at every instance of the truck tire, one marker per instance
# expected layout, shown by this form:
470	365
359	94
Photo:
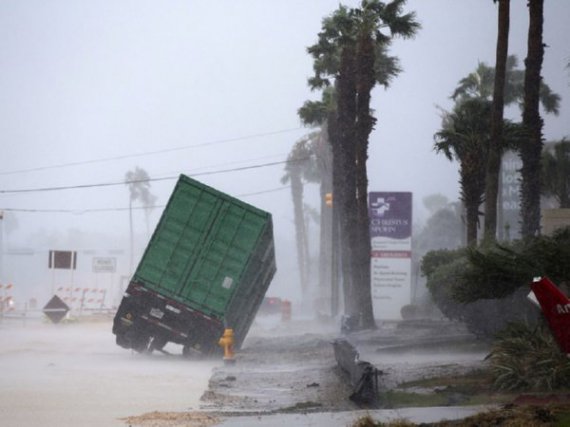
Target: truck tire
157	343
140	343
122	341
191	352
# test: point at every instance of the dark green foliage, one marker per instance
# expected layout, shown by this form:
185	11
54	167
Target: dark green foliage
487	287
445	271
528	358
499	270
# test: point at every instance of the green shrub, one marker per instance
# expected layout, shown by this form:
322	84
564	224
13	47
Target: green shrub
499	270
486	287
528	358
446	278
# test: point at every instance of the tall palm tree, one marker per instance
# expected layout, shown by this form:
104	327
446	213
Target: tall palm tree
556	173
494	159
532	147
138	183
352	50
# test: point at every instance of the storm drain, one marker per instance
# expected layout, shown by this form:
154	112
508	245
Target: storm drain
363	375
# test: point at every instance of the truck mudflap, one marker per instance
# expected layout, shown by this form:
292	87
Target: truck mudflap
147	321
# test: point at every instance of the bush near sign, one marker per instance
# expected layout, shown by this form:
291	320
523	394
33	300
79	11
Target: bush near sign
104	264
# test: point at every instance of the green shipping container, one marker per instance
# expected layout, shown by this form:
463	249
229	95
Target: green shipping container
211	253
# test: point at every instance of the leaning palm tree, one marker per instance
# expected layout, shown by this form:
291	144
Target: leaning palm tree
322	114
138	182
301	166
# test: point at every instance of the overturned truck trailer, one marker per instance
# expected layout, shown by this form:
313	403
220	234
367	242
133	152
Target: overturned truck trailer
207	267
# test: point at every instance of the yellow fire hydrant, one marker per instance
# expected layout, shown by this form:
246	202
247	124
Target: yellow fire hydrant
227	343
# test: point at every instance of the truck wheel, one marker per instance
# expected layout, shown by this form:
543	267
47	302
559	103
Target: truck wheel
157	343
139	343
191	352
122	341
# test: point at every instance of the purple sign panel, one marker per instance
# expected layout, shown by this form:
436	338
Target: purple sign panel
390	214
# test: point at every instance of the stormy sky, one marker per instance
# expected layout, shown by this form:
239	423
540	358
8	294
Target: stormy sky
91	89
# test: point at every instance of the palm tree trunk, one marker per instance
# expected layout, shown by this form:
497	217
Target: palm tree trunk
494	160
346	118
131	235
337	178
472	217
532	147
364	125
326	230
300	233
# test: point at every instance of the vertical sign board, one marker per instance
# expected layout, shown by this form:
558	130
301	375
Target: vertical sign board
65	260
510	206
104	264
391	240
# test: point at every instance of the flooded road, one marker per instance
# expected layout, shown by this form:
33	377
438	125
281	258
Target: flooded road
75	375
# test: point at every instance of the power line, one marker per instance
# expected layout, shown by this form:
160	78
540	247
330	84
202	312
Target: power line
95	210
150	153
110	184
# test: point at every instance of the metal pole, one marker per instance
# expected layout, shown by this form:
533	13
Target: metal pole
1	246
52	263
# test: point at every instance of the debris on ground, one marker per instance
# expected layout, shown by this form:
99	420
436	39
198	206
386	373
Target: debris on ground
172	419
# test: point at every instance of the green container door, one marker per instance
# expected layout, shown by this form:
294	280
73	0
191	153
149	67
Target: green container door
202	246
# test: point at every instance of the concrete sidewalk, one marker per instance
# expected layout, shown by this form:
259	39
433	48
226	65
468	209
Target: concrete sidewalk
326	419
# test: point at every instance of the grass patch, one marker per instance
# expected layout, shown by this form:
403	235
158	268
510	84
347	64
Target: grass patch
473	388
472	382
511	416
301	407
404	399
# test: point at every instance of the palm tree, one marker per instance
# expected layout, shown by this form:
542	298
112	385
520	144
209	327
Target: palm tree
480	85
300	165
352	50
532	147
556	173
465	138
494	156
322	114
138	182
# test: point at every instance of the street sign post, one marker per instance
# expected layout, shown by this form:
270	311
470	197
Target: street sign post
104	264
55	309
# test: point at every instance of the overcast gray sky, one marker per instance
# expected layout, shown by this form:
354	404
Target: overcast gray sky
209	86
